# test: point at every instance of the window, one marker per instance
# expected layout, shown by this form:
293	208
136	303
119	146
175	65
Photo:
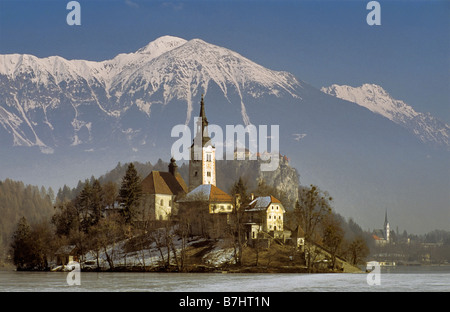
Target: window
162	202
208	157
195	173
208	173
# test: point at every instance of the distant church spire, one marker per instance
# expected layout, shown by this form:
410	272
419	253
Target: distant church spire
386	227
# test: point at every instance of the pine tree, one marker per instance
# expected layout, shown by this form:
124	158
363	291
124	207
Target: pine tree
240	188
130	193
21	245
97	202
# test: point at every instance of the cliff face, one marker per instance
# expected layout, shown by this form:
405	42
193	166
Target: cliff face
285	179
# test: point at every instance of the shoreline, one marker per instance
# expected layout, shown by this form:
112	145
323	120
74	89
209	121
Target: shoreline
193	269
219	270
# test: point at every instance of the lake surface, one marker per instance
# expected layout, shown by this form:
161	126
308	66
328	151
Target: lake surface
401	279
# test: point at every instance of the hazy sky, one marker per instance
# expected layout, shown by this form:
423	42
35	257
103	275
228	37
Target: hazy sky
320	42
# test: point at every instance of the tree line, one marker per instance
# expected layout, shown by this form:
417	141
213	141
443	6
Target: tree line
18	200
82	221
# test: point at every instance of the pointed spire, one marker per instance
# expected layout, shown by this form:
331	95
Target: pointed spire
204	121
202	108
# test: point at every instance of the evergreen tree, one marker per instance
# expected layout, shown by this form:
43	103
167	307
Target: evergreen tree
110	193
51	195
21	245
130	193
83	205
240	188
66	219
97	202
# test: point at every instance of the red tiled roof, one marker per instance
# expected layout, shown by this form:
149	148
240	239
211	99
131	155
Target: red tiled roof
158	182
217	195
376	237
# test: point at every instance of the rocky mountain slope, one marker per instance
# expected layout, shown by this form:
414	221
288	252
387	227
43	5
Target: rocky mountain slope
373	97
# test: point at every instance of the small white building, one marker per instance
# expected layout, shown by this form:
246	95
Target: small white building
266	214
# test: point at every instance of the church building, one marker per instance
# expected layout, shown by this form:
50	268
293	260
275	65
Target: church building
202	164
206	205
383	236
161	191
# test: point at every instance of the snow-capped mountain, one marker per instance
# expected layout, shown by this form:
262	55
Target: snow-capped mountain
373	97
35	90
65	120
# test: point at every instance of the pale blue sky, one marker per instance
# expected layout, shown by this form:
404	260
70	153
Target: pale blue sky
320	42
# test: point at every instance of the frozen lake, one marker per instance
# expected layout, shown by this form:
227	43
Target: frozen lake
406	279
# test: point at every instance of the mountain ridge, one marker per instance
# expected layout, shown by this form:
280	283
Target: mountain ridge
376	99
169	65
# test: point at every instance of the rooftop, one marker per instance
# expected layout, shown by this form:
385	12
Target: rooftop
208	192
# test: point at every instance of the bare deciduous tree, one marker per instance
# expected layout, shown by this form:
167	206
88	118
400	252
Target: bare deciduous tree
312	207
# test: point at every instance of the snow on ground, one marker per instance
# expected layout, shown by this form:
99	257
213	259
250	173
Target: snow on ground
154	257
219	255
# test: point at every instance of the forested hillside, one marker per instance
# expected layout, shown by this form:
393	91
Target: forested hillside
18	200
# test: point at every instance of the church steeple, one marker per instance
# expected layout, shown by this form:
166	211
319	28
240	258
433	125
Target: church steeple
202	168
387	229
202	126
202	110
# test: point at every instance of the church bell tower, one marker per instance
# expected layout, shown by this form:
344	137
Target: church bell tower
202	164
